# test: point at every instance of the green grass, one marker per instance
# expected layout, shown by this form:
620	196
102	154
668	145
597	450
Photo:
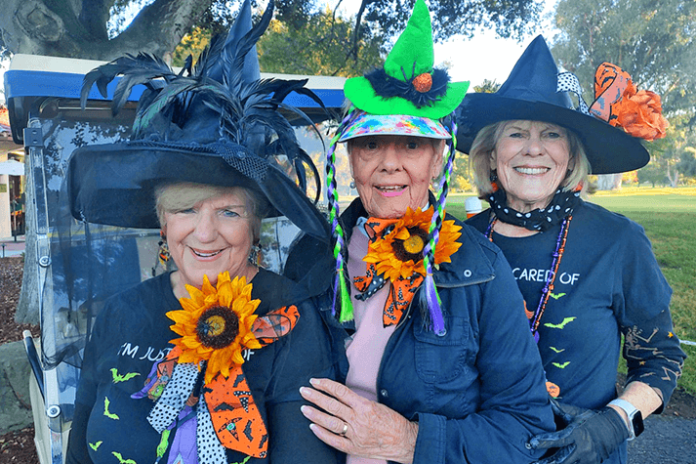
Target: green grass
669	219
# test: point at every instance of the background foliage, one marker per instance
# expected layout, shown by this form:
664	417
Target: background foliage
655	42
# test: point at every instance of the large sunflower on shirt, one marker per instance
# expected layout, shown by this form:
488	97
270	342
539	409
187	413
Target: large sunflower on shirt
215	325
399	253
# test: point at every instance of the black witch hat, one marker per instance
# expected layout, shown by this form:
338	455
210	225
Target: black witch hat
537	91
213	123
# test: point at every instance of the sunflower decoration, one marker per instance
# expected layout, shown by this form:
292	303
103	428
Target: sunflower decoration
215	325
399	252
395	254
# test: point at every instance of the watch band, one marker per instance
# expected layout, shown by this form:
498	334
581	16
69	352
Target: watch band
635	418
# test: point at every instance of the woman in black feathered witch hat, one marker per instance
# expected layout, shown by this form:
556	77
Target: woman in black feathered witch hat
588	276
199	166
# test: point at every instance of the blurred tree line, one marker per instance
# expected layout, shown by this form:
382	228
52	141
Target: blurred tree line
106	29
655	42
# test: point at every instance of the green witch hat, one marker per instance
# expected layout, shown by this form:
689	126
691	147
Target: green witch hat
408	84
408	97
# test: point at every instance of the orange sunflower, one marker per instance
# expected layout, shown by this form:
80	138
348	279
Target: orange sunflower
400	252
215	324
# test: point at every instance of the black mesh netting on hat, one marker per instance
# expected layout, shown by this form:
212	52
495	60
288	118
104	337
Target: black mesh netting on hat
91	262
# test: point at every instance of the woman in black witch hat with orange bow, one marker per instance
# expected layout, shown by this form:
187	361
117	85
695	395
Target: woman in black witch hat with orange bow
588	276
231	342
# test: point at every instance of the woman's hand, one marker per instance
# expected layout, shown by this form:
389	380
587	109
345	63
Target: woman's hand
357	426
588	437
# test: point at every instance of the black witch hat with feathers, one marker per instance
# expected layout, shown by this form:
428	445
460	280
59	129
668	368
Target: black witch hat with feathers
215	122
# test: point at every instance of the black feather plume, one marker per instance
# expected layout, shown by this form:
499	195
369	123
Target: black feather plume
141	69
213	99
387	86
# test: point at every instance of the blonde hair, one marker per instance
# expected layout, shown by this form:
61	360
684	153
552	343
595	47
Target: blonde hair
480	156
177	197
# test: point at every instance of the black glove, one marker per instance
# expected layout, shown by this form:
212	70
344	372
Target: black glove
589	437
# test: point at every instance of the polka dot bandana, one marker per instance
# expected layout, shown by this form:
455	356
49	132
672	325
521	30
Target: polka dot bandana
210	450
174	398
394	124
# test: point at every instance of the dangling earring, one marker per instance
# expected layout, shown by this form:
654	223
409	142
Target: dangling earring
494	179
352	184
254	255
163	253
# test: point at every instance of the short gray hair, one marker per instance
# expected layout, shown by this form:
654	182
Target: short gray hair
486	141
180	196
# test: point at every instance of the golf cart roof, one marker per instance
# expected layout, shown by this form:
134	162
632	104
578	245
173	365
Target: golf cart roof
32	77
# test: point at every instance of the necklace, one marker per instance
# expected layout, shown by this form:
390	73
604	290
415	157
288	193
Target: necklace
535	320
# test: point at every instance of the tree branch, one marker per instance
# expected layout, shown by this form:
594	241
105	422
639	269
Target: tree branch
170	19
94	16
356	31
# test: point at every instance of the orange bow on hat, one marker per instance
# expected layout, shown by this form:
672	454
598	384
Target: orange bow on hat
617	101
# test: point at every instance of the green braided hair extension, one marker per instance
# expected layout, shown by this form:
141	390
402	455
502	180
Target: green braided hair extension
430	297
340	287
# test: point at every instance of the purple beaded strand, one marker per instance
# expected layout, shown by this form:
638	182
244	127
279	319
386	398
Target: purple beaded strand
555	264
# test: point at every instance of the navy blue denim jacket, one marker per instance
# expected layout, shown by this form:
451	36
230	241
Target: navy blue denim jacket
478	392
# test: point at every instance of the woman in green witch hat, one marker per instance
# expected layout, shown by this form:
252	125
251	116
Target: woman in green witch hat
230	341
438	368
587	275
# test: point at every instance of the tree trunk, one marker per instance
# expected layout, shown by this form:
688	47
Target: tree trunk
672	176
609	181
77	29
59	28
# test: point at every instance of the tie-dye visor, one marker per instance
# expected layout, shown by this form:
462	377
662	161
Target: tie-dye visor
394	124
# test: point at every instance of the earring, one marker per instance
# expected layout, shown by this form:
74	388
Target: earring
163	253
254	255
494	180
352	184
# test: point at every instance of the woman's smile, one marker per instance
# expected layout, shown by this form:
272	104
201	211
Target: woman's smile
531	160
205	255
531	171
391	191
393	172
212	237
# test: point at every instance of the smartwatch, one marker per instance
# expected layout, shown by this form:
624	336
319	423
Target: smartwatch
635	418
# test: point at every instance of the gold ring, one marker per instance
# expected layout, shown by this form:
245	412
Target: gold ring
345	429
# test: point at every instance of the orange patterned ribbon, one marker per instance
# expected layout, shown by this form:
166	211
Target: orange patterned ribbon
610	82
234	414
402	289
620	103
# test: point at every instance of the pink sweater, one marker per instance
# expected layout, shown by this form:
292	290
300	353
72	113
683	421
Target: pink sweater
366	348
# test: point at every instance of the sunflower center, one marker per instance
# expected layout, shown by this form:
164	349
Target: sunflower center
412	247
413	244
217	327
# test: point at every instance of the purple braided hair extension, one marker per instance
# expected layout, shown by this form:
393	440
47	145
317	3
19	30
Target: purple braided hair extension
430	297
340	287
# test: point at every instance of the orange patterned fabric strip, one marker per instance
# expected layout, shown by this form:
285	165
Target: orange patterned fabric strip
234	414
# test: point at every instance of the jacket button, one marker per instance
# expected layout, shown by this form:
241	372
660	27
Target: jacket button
384	393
